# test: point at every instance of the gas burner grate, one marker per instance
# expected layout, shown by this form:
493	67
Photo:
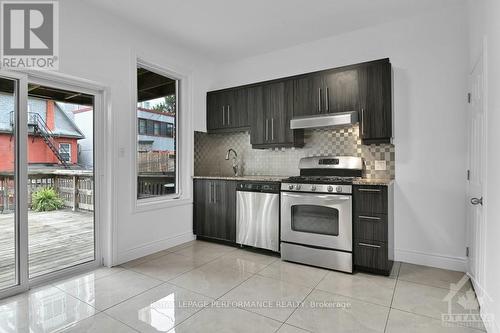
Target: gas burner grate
320	179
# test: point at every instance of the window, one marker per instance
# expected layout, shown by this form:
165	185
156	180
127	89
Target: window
65	151
155	128
157	172
142	126
170	130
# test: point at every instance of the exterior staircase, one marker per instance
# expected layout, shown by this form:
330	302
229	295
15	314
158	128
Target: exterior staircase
40	127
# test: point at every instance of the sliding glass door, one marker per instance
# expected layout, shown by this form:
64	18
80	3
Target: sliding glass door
13	236
9	276
47	189
60	179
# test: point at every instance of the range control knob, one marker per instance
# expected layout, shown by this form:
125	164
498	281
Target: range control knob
291	187
298	187
338	189
329	188
313	188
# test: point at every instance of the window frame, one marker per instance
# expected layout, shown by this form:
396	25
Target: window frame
181	195
141	130
68	152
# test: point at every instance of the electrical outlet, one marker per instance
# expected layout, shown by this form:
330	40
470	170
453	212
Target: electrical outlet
380	166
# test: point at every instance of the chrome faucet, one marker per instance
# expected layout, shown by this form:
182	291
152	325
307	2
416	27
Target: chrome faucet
235	161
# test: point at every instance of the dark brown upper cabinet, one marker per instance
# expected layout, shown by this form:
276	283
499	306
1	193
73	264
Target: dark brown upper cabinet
270	108
307	99
375	119
341	91
326	92
227	110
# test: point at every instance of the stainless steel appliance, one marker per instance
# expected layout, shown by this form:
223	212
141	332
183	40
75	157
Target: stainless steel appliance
258	214
325	120
316	212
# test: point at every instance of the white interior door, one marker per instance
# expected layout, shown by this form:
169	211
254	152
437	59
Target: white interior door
476	177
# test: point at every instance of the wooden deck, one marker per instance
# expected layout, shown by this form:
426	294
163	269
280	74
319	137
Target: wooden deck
57	240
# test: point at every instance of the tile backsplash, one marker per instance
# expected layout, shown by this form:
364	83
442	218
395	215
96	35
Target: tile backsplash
210	150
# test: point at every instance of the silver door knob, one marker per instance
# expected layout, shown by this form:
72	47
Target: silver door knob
476	201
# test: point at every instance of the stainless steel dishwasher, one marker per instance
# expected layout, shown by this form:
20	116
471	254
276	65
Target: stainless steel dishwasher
258	214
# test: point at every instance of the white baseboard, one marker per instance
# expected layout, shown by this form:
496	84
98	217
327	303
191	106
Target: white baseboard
431	259
152	247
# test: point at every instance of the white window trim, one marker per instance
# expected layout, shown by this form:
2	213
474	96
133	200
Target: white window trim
69	150
105	214
183	131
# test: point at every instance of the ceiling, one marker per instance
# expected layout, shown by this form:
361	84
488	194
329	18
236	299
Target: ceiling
226	30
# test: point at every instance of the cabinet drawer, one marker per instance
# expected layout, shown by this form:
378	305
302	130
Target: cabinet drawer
370	199
370	227
371	254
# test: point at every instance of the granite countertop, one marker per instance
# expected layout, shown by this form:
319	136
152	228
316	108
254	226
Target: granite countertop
366	181
358	181
255	178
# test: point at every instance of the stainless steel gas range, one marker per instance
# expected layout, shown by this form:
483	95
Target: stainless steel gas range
316	212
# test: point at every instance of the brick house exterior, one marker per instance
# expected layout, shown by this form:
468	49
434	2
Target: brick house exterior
63	129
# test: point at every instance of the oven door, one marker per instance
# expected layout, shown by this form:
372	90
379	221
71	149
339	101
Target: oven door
323	220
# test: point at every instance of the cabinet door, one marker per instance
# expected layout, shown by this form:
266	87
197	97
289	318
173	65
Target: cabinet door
227	206
237	114
341	91
201	207
214	209
376	103
255	107
308	95
222	211
278	110
214	111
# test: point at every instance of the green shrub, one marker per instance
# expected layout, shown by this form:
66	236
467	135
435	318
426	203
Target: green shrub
46	199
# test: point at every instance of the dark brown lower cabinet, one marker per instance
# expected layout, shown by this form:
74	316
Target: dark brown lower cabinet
214	209
373	228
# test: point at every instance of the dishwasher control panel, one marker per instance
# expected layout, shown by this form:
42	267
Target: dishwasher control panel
266	187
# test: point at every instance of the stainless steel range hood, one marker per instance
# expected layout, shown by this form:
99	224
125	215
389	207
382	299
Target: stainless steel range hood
325	120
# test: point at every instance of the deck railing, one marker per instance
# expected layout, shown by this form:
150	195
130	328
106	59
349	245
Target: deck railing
77	191
155	161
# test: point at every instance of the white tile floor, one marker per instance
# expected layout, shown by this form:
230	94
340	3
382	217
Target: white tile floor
207	287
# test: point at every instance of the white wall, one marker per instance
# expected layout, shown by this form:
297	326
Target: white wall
98	46
85	123
429	56
484	18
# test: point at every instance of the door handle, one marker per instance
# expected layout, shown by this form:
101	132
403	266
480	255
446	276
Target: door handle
272	129
476	201
362	121
267	129
372	218
369	245
368	190
228	119
326	100
319	99
223	115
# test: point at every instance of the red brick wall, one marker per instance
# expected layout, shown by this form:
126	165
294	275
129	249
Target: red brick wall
38	151
6	153
51	116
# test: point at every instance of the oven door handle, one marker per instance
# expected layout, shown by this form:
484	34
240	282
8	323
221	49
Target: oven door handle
319	196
